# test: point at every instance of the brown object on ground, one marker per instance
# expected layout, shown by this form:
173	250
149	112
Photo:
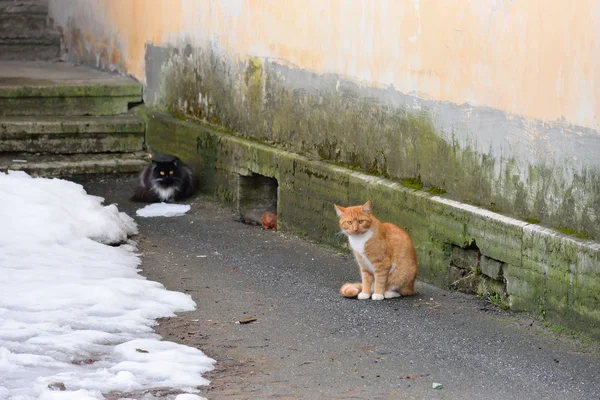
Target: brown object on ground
269	220
247	320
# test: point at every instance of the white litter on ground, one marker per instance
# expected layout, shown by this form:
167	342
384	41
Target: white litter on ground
163	210
74	312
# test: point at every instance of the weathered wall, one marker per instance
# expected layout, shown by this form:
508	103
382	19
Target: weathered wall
534	58
492	101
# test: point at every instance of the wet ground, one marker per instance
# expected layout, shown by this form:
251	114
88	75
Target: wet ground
302	340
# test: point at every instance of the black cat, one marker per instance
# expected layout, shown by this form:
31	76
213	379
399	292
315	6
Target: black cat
166	178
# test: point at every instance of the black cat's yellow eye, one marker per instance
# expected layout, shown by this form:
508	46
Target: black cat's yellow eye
162	172
170	172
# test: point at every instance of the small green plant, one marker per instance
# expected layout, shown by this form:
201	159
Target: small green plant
532	220
494	298
541	311
227	196
499	300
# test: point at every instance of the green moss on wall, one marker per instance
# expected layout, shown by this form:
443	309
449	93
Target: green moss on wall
413	183
325	118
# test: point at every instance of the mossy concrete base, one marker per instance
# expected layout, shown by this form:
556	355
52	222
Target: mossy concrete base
552	275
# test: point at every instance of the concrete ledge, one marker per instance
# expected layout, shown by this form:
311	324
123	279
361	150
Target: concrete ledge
549	274
37	88
16	50
39	79
69	165
24	7
65	106
16	127
68	135
21	23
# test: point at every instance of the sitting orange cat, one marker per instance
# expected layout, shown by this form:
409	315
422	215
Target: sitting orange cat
384	253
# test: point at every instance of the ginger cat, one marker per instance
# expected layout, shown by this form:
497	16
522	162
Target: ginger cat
384	253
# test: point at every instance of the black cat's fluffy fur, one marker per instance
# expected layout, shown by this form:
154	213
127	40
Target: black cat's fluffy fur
166	178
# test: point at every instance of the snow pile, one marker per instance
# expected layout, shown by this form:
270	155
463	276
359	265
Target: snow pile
163	210
74	311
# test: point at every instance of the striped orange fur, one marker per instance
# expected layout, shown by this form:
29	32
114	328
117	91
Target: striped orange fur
384	252
350	289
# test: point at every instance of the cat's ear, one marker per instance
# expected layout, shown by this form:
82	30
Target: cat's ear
367	206
176	162
339	210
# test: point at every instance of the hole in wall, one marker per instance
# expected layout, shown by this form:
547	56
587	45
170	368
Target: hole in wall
464	268
258	200
474	273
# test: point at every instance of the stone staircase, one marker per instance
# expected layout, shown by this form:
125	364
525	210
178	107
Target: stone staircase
24	31
58	119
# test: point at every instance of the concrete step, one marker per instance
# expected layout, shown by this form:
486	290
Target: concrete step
30	88
13	23
29	52
21	16
51	165
29	45
24	7
69	135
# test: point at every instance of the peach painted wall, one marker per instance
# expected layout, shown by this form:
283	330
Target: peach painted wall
535	58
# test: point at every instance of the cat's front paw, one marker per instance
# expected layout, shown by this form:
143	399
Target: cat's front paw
377	296
363	296
390	294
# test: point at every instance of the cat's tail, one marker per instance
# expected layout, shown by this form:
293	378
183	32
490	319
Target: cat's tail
143	195
350	289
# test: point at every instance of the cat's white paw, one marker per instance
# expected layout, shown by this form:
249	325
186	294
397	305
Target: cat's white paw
377	296
363	296
391	294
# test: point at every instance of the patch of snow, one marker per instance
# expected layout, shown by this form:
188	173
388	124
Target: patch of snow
188	397
74	310
163	210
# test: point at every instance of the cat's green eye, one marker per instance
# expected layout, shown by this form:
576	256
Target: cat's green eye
170	172
162	172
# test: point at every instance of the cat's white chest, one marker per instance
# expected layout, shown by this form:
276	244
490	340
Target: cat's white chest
164	194
357	243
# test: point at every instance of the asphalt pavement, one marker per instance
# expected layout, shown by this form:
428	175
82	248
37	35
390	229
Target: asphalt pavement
302	340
